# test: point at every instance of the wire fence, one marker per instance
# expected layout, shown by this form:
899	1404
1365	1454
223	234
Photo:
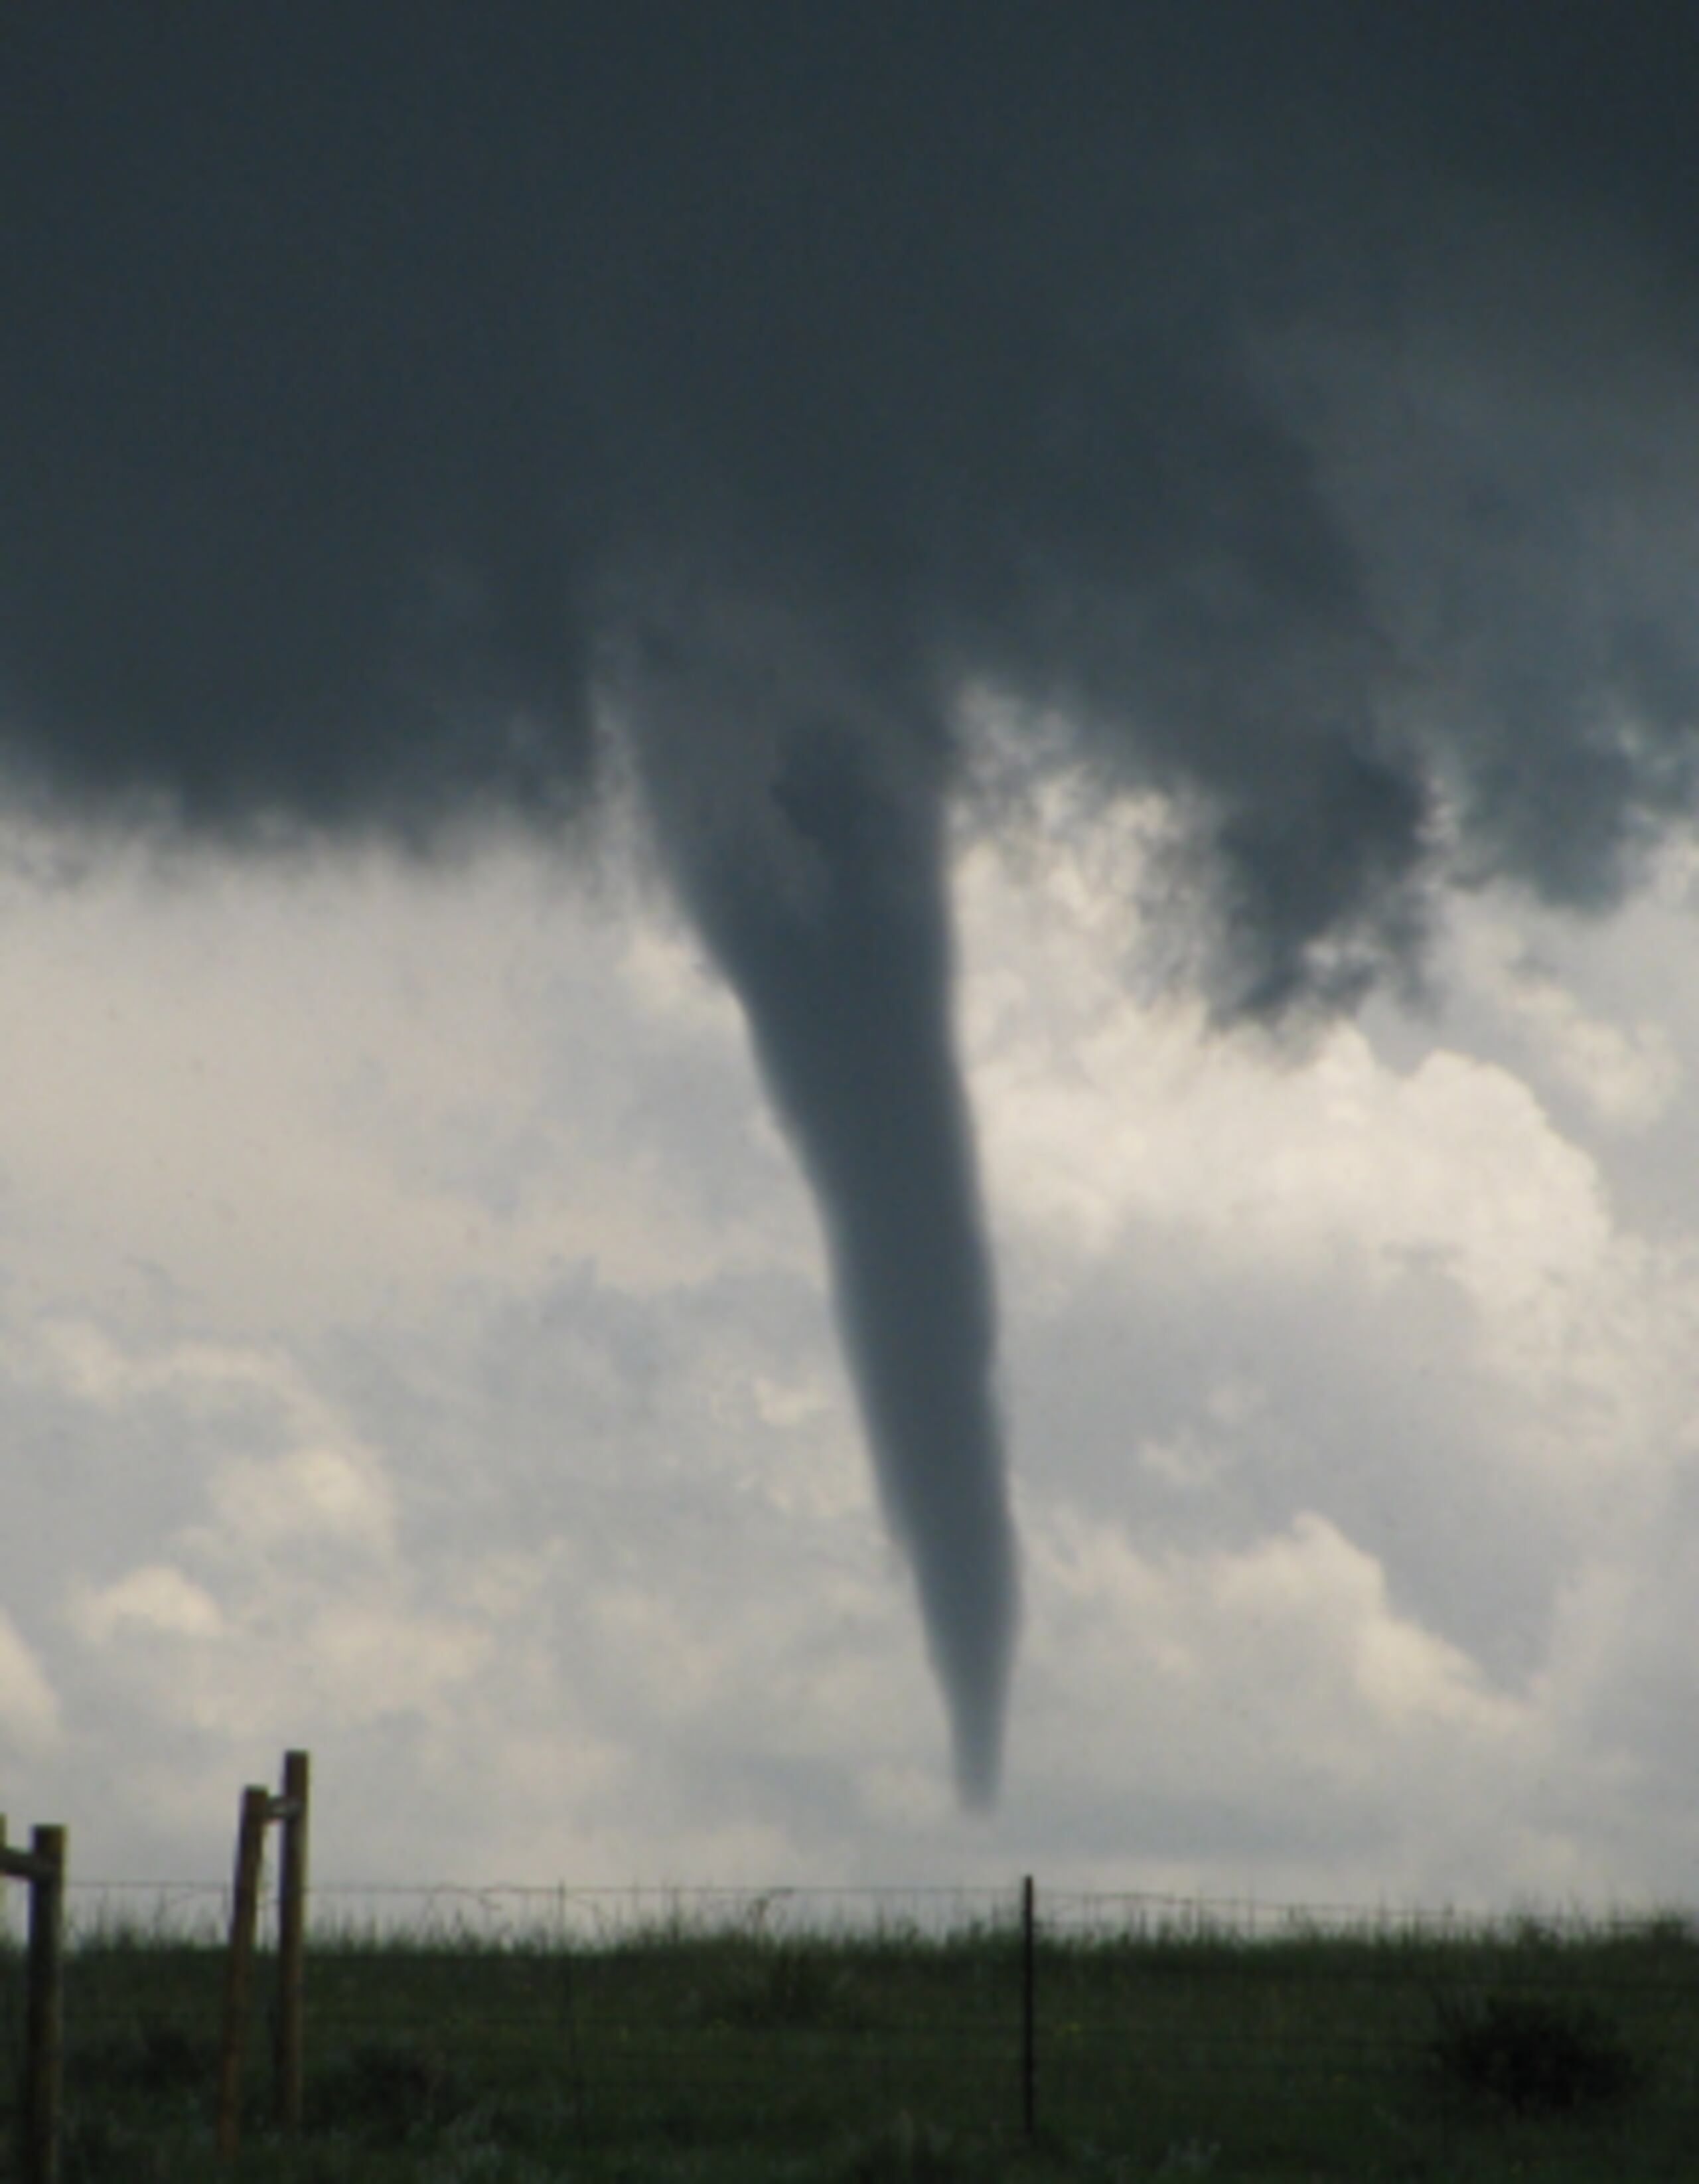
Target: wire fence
515	1914
501	1913
1160	2026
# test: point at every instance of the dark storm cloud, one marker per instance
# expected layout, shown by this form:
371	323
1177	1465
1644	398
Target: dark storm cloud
1297	402
353	358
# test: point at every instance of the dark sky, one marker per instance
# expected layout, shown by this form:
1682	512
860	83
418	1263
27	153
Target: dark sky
359	362
1295	401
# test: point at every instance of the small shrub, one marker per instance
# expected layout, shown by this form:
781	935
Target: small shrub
1533	2054
910	2152
146	2061
1191	2157
797	1988
390	2092
96	2150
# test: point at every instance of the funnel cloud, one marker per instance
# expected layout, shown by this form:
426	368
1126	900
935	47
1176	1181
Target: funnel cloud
820	890
413	417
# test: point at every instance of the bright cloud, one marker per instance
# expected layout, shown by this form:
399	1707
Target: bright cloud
414	1346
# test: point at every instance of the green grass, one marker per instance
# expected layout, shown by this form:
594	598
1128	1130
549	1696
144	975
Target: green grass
701	2057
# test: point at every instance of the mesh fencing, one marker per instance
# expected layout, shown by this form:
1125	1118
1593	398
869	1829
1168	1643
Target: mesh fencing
1164	2028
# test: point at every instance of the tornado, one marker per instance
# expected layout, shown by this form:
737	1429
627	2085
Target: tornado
810	853
419	422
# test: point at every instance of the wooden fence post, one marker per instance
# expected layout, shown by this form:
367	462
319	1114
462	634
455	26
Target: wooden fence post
244	1908
292	1810
259	1809
43	1866
45	2034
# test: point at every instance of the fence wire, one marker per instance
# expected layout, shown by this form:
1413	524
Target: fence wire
792	2017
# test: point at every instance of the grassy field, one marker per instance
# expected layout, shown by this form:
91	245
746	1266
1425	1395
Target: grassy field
700	2058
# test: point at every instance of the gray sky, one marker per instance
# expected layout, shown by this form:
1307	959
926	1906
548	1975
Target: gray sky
416	1344
733	742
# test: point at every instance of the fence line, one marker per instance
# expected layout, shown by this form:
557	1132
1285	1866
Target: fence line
540	1912
789	2015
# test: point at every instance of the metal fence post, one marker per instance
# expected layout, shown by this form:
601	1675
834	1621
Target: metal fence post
1029	2030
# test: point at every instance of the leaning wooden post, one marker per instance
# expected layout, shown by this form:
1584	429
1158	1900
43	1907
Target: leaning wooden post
45	2032
292	1809
244	1911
